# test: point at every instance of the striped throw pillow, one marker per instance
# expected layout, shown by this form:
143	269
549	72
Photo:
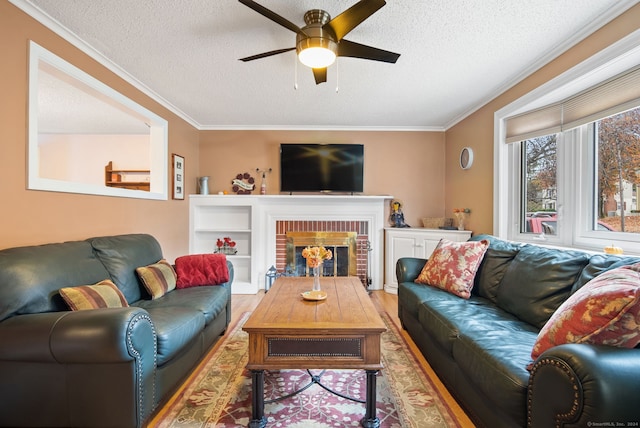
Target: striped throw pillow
158	279
104	294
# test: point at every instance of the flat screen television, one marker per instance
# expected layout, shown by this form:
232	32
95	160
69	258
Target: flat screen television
321	168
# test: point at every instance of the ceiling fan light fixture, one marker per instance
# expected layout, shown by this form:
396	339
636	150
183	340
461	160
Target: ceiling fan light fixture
317	57
317	42
317	52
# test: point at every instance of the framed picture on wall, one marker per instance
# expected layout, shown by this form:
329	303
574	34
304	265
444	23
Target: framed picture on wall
178	176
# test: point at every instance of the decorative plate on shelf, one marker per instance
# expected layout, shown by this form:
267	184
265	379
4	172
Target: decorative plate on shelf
314	295
243	184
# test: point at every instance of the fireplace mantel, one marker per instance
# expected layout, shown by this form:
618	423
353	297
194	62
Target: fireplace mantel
250	220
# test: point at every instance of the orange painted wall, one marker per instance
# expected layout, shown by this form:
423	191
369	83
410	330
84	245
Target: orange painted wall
421	168
407	165
473	188
33	217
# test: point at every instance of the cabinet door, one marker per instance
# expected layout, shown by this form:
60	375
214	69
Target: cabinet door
397	246
427	245
405	246
418	243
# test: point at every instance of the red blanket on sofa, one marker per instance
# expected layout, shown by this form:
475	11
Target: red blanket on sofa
201	269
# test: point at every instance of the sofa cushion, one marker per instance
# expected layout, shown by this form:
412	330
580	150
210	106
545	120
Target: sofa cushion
538	280
201	269
175	326
453	265
599	263
606	311
493	359
122	254
411	296
209	301
104	294
491	271
494	265
448	319
31	276
158	279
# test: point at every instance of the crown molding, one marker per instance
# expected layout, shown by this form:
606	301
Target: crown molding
68	35
324	128
602	20
55	26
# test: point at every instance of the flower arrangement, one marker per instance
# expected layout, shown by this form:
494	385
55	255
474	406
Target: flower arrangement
225	246
316	255
461	215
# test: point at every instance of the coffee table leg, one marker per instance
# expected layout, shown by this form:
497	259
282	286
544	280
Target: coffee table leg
258	420
370	420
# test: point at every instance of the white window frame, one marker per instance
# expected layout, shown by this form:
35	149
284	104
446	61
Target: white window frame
575	172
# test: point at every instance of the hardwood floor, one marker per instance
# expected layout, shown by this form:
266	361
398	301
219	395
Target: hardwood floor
384	301
241	303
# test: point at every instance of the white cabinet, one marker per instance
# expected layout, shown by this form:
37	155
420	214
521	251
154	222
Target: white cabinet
413	242
213	218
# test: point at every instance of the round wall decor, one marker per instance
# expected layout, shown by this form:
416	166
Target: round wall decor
466	158
243	184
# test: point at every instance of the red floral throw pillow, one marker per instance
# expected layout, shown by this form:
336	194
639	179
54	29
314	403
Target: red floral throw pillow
453	266
605	311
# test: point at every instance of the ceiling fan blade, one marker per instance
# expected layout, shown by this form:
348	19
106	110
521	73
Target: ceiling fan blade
356	50
273	16
266	54
320	74
352	17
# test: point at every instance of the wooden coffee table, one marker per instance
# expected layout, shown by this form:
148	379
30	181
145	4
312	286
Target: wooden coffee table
341	332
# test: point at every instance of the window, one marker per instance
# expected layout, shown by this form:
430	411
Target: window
614	145
538	185
567	157
616	142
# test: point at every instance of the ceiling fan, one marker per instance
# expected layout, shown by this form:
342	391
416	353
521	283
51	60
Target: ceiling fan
321	40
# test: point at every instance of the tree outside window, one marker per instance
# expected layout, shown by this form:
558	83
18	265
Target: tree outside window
618	151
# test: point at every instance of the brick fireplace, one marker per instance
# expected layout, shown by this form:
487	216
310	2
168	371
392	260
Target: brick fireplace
259	224
348	240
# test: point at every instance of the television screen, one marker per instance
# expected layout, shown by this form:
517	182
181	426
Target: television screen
321	167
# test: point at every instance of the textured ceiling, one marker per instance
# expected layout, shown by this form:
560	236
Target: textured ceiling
456	55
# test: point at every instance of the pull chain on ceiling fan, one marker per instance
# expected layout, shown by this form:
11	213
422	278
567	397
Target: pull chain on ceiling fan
321	40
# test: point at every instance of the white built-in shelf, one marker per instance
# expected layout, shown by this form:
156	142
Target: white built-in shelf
250	221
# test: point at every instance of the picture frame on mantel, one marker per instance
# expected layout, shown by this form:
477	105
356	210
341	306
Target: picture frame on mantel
177	170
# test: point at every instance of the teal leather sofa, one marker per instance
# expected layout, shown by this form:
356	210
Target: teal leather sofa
480	348
106	367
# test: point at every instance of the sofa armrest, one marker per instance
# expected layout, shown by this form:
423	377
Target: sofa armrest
408	268
103	358
232	274
98	336
585	385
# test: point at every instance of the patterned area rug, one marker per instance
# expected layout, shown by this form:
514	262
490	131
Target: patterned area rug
218	394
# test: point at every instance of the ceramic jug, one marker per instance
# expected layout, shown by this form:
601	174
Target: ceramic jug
203	185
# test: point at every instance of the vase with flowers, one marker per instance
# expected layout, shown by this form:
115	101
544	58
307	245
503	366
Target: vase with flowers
461	215
226	246
315	257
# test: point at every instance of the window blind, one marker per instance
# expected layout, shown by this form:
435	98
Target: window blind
615	95
542	121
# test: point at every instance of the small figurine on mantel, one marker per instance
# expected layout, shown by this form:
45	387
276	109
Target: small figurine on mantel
396	218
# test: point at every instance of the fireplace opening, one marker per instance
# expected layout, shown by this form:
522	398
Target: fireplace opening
343	245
